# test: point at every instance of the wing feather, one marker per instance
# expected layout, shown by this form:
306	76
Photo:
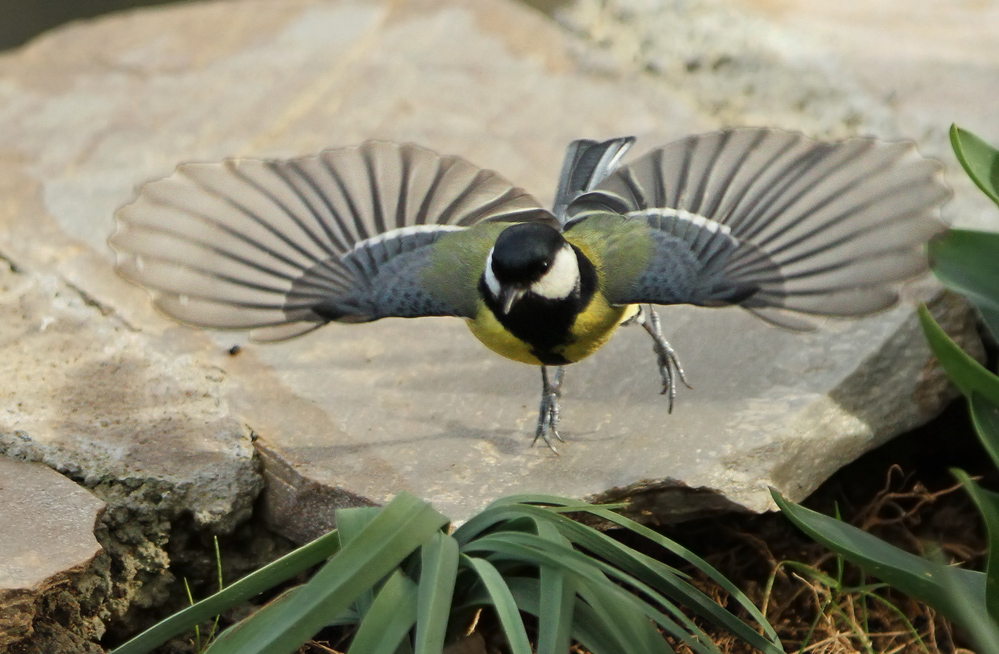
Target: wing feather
778	222
286	246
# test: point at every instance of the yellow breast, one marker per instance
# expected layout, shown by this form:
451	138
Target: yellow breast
592	328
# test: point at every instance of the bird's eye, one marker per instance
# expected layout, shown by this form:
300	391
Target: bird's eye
545	265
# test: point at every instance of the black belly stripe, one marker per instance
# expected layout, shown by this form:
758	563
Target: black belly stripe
544	324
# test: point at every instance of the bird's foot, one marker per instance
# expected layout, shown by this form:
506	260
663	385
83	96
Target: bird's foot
548	413
669	363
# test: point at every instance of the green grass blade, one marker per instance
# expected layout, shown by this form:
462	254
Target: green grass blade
399	529
980	160
558	598
985	416
988	506
249	586
388	621
924	580
503	603
438	570
969	375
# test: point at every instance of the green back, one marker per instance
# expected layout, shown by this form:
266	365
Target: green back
457	262
619	248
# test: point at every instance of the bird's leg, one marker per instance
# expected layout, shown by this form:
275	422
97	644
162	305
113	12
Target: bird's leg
548	414
669	363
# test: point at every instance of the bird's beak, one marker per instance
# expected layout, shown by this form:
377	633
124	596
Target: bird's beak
509	296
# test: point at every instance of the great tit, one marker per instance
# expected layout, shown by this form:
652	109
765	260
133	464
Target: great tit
768	220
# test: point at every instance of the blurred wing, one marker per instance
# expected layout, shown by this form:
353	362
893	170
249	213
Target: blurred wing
586	164
285	246
775	222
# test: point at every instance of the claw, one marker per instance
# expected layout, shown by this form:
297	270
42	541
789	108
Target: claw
548	413
669	362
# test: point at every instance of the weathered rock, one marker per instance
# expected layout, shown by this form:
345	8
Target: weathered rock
890	69
47	540
145	429
352	414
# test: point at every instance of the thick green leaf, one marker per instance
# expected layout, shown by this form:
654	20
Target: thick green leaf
621	614
980	160
982	631
503	603
988	506
924	580
438	570
351	522
265	578
587	627
595	573
262	615
985	415
558	598
969	375
713	612
656	574
399	529
391	615
990	316
968	262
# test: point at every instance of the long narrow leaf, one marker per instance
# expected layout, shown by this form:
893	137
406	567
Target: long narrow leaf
263	614
587	628
503	602
982	631
391	616
689	596
558	598
253	584
628	625
400	528
595	573
924	580
715	613
663	577
350	523
438	570
985	415
980	160
969	375
988	506
666	579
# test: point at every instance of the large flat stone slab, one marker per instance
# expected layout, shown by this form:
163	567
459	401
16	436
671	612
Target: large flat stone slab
353	414
890	68
47	540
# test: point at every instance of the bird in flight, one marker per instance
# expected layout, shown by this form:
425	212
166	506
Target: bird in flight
771	221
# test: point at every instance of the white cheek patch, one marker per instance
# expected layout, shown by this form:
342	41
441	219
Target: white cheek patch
491	282
561	279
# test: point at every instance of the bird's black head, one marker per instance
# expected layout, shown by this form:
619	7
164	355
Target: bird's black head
530	259
524	252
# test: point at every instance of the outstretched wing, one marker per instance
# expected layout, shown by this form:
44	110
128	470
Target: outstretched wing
776	222
285	246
